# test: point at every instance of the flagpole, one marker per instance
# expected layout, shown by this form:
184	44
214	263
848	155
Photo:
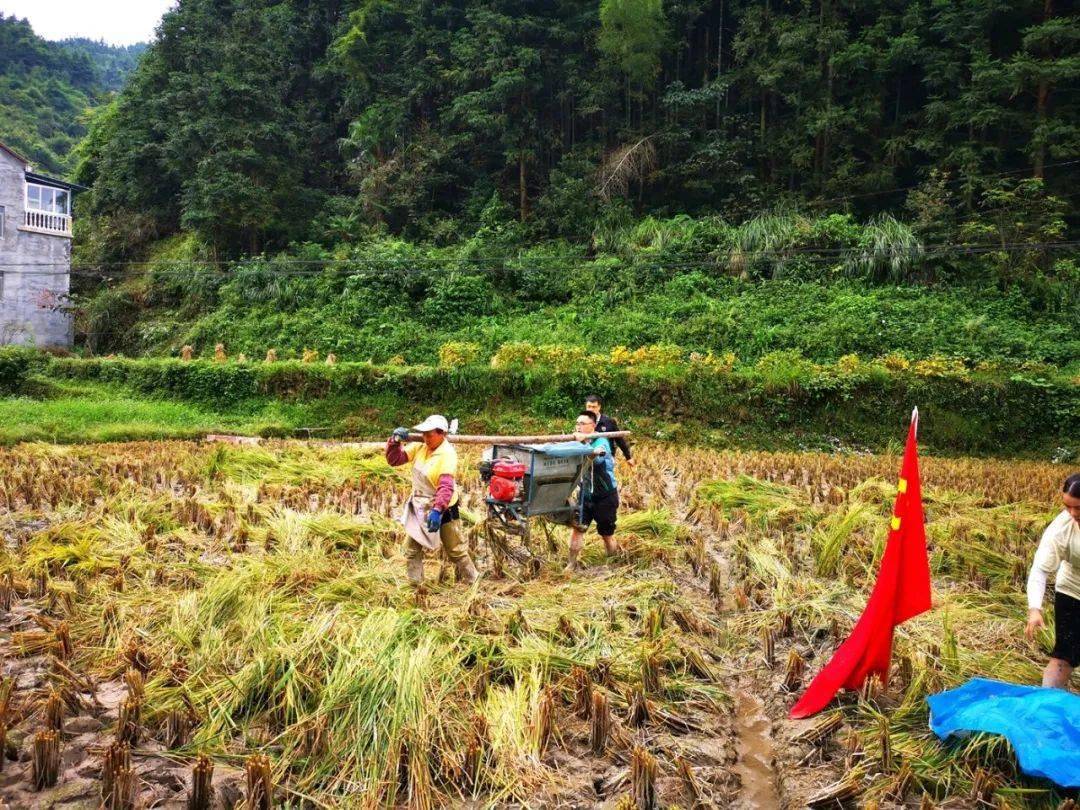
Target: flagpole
915	418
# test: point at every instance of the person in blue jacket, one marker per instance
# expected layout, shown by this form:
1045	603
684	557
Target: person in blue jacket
599	492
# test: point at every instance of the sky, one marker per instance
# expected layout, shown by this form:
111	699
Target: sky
119	22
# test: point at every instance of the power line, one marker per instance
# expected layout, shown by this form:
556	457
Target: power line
952	180
443	264
504	259
356	267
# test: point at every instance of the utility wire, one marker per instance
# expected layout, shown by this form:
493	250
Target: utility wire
957	179
360	266
503	259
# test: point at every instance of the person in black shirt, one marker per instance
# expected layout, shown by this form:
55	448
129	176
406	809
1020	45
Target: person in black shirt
605	424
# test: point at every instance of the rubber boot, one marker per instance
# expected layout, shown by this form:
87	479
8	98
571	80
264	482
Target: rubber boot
466	571
414	568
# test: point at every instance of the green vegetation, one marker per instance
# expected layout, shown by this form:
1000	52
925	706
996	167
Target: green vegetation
256	124
102	414
47	90
113	63
15	366
774	224
722	175
781	400
366	309
85	411
800	215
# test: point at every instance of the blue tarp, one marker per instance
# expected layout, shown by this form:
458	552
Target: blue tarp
564	449
1043	725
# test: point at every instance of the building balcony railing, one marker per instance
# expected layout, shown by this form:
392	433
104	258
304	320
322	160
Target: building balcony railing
45	222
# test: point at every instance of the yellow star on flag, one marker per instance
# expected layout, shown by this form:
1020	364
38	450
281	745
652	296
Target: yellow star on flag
901	486
895	523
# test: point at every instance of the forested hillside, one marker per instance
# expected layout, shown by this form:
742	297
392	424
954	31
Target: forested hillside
48	88
113	62
398	175
249	119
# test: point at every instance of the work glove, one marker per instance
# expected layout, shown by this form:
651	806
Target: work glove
400	435
434	520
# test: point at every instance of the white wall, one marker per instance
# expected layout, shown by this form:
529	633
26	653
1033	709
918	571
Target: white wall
36	269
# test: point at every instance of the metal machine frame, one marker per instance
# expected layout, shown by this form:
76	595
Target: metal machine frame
545	492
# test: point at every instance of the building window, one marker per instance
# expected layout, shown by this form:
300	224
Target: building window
3	217
48	199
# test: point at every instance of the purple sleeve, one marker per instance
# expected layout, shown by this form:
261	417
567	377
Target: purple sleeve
395	453
443	493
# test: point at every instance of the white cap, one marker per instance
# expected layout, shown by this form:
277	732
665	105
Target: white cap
433	422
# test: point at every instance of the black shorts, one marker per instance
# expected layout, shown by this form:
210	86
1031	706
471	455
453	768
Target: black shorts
603	511
1066	629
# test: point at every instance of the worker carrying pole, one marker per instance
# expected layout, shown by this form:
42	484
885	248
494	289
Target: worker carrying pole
599	492
431	516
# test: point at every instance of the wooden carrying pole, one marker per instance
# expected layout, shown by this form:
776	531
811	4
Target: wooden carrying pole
416	437
561	437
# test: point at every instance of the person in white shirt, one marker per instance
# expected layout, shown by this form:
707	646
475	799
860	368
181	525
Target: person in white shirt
1059	553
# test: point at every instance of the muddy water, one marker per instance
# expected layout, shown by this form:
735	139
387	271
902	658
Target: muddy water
755	751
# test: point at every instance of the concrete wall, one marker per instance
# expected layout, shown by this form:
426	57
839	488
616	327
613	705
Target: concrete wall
33	297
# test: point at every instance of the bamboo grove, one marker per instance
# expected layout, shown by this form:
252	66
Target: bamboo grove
209	623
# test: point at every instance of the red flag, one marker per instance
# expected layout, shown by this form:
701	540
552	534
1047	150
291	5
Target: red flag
902	590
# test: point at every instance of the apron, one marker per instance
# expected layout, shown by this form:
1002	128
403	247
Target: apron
414	513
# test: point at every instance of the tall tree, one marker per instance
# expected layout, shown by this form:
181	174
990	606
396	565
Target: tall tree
634	35
245	114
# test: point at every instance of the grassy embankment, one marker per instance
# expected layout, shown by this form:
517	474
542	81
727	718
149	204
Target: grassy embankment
781	401
71	412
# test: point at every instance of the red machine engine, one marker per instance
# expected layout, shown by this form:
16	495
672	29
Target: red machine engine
505	483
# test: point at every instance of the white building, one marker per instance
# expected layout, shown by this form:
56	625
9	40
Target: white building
35	254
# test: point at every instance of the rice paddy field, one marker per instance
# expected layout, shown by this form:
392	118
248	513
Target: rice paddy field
206	625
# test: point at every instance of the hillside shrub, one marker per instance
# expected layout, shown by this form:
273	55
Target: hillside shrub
455	296
655	355
15	367
523	355
937	366
722	363
458	353
111	317
785	370
972	412
388	300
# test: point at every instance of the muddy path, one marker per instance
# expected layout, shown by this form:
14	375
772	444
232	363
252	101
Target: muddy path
755	749
757	777
774	767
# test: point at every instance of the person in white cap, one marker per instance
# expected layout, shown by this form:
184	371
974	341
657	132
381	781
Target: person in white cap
431	516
